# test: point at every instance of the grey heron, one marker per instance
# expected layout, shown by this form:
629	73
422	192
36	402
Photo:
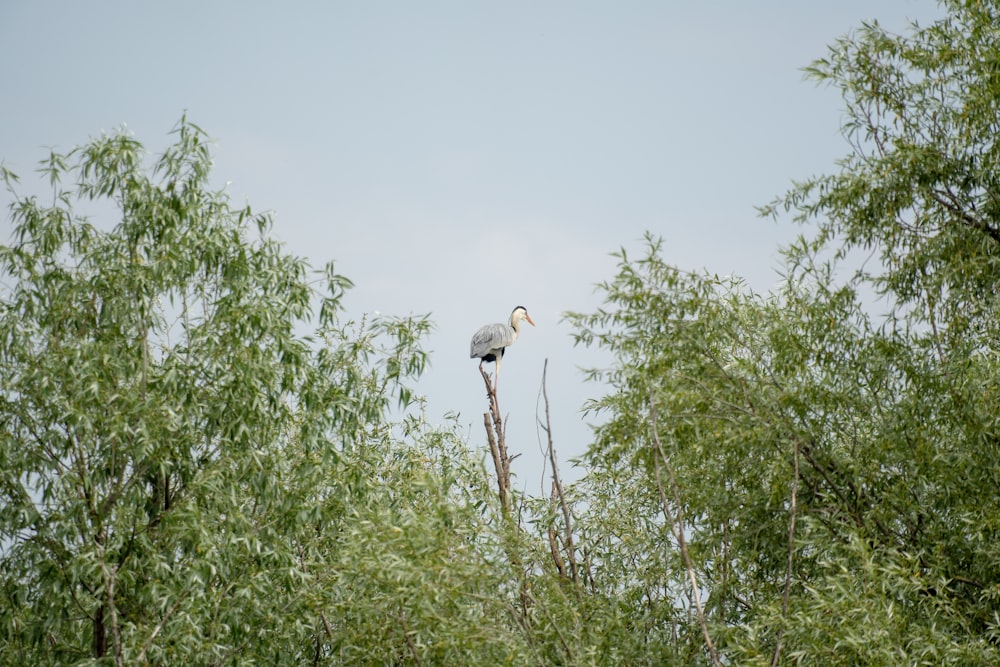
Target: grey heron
491	340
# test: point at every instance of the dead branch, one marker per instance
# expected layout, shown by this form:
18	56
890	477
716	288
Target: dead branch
498	447
558	495
553	536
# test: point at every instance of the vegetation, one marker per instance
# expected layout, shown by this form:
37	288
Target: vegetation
809	476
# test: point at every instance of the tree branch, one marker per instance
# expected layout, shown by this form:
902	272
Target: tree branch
557	488
948	200
498	448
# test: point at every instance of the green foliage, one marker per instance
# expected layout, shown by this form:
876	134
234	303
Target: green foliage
807	476
185	477
836	468
920	185
757	398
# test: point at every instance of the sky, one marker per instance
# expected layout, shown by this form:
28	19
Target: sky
462	158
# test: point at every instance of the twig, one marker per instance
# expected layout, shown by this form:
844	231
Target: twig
141	658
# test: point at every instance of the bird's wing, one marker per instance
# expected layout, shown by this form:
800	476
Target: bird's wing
491	337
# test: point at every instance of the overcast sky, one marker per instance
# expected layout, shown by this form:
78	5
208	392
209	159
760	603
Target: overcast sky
460	158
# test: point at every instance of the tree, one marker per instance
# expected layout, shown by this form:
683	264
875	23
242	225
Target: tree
805	476
185	476
834	442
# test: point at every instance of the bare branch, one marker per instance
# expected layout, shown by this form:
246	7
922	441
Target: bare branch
498	447
557	487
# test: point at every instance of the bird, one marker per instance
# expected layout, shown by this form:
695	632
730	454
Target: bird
490	341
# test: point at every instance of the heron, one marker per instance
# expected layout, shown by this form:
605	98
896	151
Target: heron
491	340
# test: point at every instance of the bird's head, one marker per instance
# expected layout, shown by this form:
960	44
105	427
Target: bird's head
520	313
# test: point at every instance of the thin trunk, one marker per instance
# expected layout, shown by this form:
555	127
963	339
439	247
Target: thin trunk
677	527
100	634
791	550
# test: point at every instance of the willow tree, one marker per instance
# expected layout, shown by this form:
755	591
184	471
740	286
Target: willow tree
829	450
184	476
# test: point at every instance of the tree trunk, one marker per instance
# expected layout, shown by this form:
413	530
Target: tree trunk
100	635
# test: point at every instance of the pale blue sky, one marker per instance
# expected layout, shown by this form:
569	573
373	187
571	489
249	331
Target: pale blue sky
461	158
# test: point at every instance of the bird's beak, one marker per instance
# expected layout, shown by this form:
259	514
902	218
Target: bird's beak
528	317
